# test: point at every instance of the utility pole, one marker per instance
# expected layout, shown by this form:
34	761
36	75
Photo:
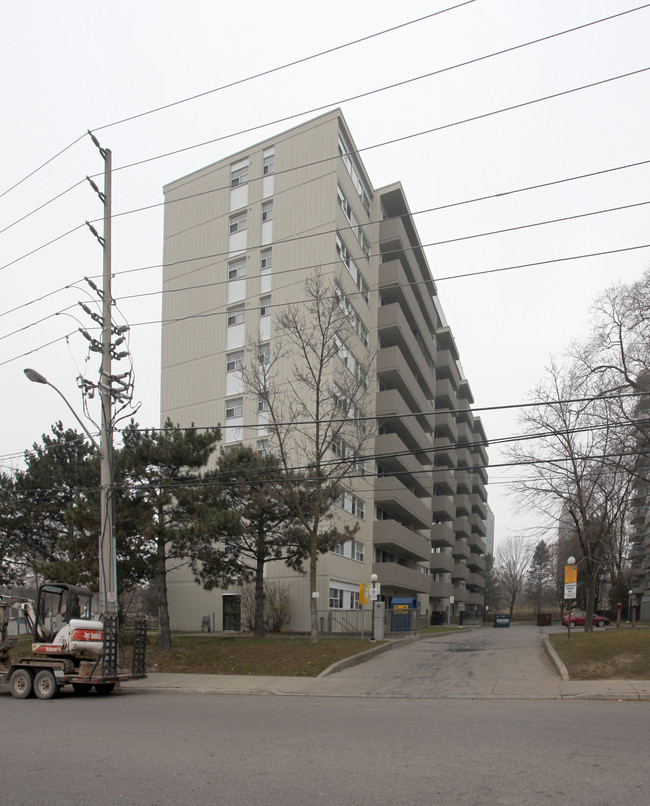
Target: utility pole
107	548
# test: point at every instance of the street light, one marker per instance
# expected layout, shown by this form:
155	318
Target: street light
36	377
373	580
629	604
107	552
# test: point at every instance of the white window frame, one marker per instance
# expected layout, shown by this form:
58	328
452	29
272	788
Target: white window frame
235	361
234	408
238	222
266	259
238	174
265	305
268	162
236	316
267	211
237	269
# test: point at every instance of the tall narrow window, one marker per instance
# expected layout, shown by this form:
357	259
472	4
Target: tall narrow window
238	174
238	222
237	269
265	306
234	408
236	316
267	211
266	259
235	361
269	160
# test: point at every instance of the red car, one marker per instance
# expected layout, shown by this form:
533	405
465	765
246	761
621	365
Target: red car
578	620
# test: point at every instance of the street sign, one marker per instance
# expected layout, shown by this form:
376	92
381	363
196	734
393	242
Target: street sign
364	596
374	593
451	600
570	581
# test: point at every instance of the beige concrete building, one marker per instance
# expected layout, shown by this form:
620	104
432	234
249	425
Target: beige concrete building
241	236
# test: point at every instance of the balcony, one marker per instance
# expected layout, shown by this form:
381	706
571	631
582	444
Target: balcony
476	562
396	538
445	451
444	481
394	371
479	506
394	330
463	506
441	561
441	590
391	406
464	482
443	507
460	571
394	457
475	599
395	285
442	534
400	501
462	527
447	367
476	580
446	397
460	550
400	577
446	425
478	525
477	543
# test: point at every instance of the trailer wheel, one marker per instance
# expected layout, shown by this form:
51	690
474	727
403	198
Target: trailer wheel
45	686
104	688
21	684
82	688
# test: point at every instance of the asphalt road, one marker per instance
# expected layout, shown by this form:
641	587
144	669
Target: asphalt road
146	747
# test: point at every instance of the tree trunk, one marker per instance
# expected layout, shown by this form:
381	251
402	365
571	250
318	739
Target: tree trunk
313	603
259	597
163	607
592	570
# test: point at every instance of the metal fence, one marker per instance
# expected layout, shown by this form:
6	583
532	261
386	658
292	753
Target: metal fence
353	622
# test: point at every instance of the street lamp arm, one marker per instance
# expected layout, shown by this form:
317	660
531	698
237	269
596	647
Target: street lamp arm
36	377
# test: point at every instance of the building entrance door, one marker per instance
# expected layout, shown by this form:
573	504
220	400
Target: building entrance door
231	611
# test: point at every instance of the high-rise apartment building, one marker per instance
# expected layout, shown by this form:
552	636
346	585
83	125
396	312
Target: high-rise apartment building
241	236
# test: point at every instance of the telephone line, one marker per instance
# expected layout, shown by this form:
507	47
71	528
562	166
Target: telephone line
393	141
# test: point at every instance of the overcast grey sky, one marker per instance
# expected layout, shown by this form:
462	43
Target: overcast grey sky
71	66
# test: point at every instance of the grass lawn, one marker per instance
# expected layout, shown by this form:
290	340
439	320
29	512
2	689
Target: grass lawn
290	655
609	654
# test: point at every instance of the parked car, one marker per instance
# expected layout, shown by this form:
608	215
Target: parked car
578	620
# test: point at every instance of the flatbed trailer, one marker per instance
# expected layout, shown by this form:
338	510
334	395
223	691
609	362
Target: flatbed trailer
50	666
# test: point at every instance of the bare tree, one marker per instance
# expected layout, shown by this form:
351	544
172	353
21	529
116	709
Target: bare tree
510	565
312	383
573	466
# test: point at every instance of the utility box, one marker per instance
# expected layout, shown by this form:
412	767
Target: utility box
379	614
403	614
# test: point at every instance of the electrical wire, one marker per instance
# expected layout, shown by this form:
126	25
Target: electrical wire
245	80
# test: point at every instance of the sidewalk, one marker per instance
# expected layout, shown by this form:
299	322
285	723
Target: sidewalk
342	681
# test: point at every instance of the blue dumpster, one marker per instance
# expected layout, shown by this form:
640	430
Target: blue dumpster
502	620
403	614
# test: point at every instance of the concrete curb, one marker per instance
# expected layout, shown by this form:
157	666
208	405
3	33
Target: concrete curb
555	659
362	657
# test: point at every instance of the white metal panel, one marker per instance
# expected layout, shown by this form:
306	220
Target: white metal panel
265	328
267	232
236	290
238	197
267	186
235	336
234	383
265	282
237	242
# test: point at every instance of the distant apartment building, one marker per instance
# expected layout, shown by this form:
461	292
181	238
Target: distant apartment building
640	552
241	235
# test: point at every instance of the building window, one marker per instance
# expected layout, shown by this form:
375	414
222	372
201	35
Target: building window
355	173
237	269
238	174
357	550
267	211
339	549
234	408
336	598
357	507
238	222
269	161
235	361
265	306
264	354
236	316
262	405
266	261
263	447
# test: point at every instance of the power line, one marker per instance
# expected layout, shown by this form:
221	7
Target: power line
242	81
403	138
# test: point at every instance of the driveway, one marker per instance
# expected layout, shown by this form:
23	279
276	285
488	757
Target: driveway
479	662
